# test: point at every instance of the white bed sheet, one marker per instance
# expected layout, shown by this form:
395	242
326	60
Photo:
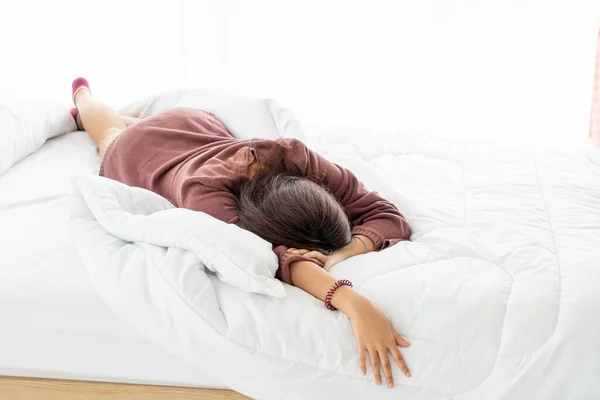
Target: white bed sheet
53	324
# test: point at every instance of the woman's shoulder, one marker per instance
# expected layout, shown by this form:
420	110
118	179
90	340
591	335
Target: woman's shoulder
281	150
293	156
290	142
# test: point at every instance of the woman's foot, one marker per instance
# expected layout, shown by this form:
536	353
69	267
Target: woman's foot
79	84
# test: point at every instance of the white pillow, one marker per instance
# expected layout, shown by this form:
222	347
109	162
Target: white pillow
244	117
25	125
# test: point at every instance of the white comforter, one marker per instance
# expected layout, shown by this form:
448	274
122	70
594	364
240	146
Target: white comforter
498	290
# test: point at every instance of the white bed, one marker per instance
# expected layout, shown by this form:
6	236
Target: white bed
53	324
498	290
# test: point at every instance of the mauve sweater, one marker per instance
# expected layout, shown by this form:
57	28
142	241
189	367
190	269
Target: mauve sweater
189	157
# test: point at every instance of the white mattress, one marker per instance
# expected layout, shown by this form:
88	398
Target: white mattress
52	322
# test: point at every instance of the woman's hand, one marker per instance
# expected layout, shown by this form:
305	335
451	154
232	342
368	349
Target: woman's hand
372	330
329	260
374	334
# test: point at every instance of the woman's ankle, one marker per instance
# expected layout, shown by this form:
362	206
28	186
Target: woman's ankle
77	89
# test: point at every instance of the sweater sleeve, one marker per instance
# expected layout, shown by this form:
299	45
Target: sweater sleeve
221	204
370	215
285	259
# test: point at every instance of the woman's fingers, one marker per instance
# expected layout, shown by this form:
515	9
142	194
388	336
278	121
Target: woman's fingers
317	256
386	366
297	251
400	341
375	364
400	360
362	356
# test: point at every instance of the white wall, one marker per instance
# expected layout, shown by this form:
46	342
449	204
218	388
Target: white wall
517	69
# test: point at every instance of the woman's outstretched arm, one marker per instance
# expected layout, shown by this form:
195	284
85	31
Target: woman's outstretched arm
370	215
374	334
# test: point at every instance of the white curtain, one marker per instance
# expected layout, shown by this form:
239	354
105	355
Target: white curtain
515	69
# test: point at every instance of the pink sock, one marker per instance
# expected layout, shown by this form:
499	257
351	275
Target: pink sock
77	85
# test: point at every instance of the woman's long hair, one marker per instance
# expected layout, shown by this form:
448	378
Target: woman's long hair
287	209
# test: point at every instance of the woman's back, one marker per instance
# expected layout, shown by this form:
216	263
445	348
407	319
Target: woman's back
170	151
189	157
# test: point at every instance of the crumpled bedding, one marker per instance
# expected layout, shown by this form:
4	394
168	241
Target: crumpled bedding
498	290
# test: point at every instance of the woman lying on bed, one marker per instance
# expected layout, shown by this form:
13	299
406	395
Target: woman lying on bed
315	213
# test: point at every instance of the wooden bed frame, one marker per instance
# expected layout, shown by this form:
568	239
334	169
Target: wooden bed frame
14	388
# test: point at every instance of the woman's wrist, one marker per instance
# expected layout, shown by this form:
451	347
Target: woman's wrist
365	241
359	244
313	279
348	301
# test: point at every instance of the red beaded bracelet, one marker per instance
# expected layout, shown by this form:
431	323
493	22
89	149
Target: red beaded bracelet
331	291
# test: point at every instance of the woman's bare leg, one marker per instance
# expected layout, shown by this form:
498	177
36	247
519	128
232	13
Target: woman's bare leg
100	121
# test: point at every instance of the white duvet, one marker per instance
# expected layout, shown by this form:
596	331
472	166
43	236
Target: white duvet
498	290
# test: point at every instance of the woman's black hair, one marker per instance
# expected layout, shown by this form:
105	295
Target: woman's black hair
287	209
